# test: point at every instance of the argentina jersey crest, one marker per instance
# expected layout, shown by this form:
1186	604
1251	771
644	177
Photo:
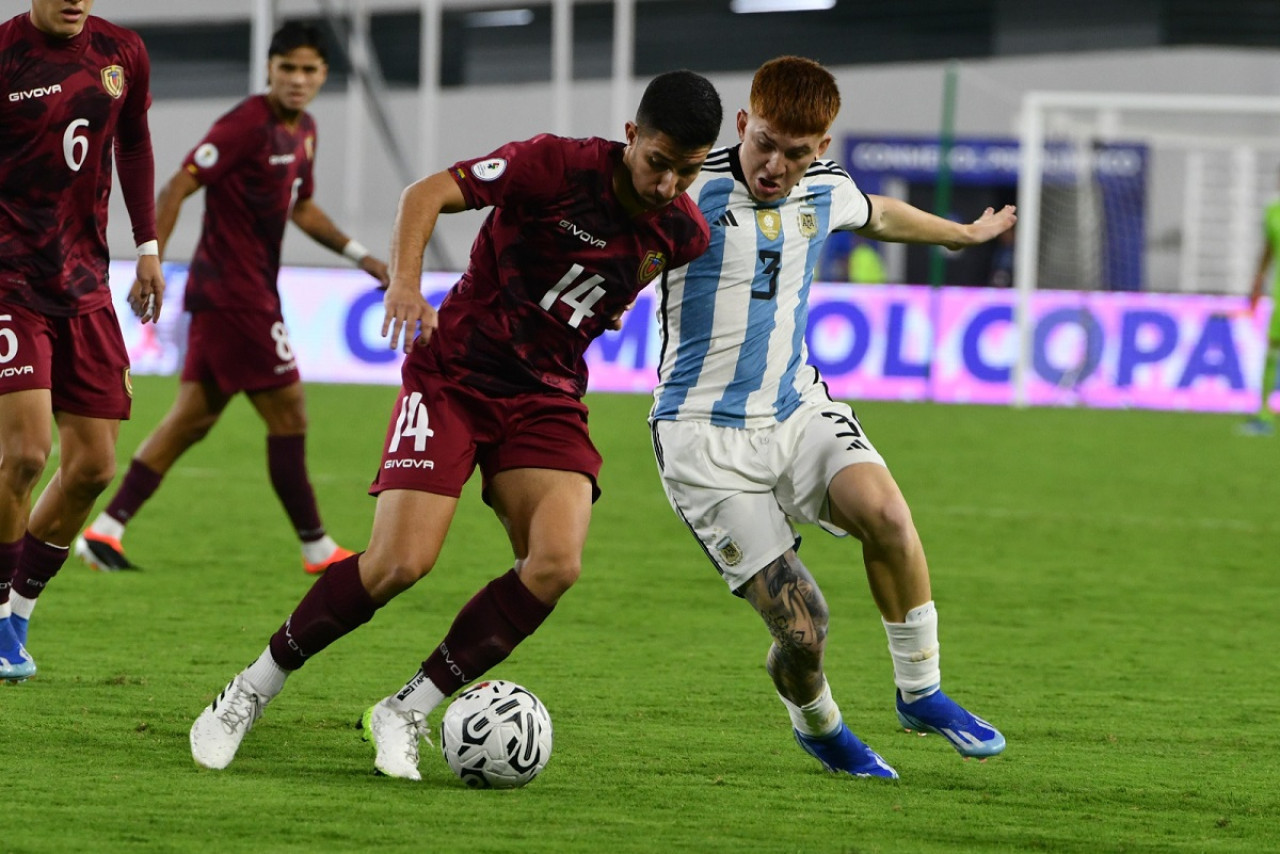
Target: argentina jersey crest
733	321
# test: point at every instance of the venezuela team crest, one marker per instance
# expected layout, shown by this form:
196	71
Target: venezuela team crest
651	266
113	80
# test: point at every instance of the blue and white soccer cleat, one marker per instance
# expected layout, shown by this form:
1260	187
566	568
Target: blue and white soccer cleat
969	734
19	625
16	664
844	753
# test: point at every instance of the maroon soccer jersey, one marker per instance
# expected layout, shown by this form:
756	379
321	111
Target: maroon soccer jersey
557	257
253	168
63	104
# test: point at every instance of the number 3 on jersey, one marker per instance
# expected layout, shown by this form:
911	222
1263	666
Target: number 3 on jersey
581	298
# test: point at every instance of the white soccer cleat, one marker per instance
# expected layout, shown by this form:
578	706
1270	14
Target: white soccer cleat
395	734
217	733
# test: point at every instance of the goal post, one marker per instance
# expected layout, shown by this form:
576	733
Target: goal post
1139	191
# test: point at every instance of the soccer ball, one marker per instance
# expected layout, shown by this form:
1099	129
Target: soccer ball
496	735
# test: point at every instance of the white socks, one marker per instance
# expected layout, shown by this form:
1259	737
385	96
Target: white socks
817	718
266	677
318	551
913	645
107	527
21	606
419	694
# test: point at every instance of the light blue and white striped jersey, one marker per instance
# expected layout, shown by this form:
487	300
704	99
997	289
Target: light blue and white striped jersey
733	320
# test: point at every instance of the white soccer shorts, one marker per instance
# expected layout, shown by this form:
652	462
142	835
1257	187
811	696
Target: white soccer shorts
740	490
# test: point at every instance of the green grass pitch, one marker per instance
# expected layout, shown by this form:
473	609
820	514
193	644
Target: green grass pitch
1107	584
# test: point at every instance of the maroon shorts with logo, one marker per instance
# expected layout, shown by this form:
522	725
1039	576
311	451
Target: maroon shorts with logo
239	351
441	430
82	360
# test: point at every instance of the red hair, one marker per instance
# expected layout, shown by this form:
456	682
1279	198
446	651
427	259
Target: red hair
795	95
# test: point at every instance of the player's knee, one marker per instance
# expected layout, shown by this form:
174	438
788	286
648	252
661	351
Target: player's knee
550	578
387	576
791	604
89	478
195	430
890	525
22	466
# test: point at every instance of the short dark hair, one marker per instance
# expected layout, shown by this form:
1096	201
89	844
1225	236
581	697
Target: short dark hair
684	106
294	35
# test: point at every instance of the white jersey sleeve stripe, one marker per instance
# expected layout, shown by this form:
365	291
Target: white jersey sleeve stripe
694	293
762	320
788	396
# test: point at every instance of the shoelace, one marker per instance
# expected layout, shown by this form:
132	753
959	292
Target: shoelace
233	714
415	725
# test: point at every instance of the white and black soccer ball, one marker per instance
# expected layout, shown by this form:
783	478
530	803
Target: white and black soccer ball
496	735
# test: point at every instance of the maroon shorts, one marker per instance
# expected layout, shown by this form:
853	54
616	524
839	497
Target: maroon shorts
441	430
82	360
239	351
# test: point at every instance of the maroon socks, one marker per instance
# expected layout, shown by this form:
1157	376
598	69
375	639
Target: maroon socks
287	463
9	554
485	631
334	606
38	565
139	484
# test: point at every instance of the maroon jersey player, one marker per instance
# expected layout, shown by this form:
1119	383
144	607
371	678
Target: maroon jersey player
494	380
255	165
75	88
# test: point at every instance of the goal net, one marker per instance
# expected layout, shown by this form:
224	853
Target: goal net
1141	192
1145	192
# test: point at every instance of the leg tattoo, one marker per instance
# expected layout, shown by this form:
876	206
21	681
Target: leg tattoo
791	605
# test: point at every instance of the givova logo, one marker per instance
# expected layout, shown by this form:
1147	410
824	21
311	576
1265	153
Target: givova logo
409	464
37	92
16	371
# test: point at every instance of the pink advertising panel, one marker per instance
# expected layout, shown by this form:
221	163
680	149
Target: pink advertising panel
1105	349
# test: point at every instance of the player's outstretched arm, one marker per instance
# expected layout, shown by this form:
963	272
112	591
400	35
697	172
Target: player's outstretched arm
312	219
421	204
895	221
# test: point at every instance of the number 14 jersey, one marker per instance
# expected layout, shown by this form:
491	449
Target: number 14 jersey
556	259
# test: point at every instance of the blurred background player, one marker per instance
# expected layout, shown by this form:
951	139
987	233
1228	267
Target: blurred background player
256	165
1263	422
77	87
747	439
577	228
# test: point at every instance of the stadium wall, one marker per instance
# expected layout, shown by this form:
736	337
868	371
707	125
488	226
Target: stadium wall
883	99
